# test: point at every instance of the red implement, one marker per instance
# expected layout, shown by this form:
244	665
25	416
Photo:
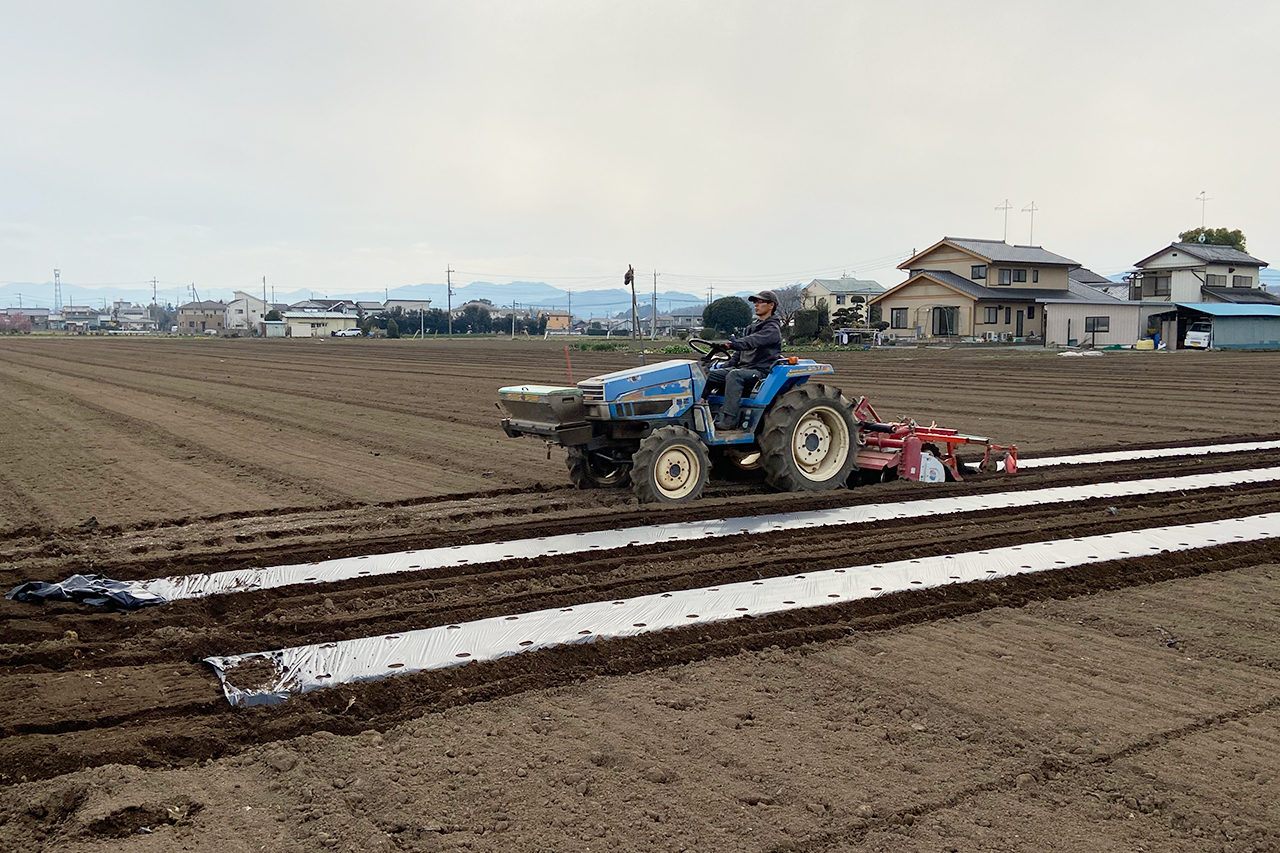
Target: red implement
917	452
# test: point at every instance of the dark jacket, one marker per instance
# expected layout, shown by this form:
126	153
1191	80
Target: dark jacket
760	346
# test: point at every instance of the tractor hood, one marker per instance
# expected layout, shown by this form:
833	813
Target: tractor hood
667	379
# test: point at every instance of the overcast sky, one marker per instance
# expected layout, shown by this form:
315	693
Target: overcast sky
356	146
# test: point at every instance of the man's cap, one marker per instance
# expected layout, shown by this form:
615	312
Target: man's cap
764	296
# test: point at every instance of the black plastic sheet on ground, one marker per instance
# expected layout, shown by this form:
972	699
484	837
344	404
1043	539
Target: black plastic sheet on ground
87	589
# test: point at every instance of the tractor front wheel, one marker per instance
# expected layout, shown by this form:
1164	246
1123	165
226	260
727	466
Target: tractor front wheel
671	466
590	469
809	440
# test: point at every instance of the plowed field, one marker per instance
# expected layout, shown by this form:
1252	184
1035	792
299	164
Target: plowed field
1131	705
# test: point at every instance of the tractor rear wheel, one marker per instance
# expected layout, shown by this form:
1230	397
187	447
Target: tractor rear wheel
671	466
595	470
809	440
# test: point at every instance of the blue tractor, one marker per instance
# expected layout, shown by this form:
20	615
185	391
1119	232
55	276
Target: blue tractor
650	427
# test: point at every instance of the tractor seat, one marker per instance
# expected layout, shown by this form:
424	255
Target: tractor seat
749	390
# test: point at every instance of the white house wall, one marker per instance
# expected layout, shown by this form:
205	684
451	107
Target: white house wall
1184	286
1126	322
1171	258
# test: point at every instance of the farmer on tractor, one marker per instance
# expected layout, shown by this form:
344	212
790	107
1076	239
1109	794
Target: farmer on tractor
754	354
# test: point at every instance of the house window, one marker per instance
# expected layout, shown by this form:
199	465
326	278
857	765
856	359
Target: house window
1019	275
1031	312
1035	276
839	298
991	314
1162	285
897	318
1241	280
1216	280
1006	277
978	271
1008	316
1097	324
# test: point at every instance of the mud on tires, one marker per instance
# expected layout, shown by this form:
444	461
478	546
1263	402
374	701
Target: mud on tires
809	440
671	466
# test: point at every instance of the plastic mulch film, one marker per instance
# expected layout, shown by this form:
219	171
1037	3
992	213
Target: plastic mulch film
1150	453
270	677
88	589
347	568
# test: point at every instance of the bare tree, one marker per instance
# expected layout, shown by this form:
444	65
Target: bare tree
789	302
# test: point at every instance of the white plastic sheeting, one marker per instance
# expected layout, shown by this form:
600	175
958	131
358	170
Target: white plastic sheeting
306	668
329	571
1150	453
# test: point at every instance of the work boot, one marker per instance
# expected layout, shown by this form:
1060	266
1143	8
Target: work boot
723	424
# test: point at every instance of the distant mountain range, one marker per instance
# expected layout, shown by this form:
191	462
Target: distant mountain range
536	294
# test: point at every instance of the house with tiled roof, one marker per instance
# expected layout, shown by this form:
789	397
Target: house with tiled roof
966	287
989	290
1200	272
836	293
196	318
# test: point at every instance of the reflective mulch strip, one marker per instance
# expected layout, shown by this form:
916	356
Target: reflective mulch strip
347	568
1151	453
272	677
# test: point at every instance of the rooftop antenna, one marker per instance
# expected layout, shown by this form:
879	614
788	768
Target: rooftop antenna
1005	207
1204	200
1031	208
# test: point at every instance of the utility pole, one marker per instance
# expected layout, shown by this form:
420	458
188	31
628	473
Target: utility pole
1005	207
57	291
653	316
1031	208
1204	200
513	319
448	286
630	278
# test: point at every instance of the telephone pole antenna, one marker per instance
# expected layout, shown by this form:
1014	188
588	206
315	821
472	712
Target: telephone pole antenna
448	285
653	316
1005	207
1031	208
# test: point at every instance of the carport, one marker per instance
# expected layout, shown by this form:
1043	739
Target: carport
1235	326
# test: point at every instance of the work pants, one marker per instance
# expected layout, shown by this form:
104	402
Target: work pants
734	379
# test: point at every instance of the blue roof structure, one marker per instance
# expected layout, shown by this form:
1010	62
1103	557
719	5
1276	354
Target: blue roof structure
1227	309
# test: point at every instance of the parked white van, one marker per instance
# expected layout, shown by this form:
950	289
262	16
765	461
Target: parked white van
1199	335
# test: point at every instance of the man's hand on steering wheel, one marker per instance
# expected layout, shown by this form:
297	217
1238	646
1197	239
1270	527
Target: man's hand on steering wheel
709	350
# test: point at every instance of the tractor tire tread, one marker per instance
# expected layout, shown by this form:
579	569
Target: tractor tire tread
775	439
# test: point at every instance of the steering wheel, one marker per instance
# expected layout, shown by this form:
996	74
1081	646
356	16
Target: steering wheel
708	349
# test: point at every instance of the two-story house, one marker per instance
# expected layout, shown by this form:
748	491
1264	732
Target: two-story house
1199	272
836	293
976	288
196	318
245	313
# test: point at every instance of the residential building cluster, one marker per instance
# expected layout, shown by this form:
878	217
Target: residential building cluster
958	289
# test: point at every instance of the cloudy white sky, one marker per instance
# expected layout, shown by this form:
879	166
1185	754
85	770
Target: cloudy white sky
356	146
